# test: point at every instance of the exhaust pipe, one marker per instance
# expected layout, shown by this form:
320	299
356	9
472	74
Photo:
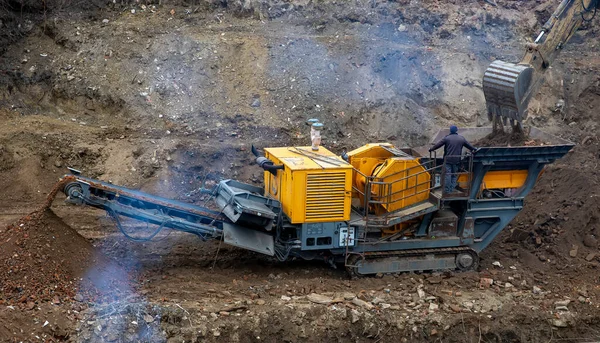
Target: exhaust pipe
266	163
315	133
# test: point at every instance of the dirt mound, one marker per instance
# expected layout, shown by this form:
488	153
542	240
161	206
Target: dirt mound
564	215
560	223
507	139
43	259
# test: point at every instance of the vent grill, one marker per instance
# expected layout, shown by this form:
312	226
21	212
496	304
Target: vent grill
325	196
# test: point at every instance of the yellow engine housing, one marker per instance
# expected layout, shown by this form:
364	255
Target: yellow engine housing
313	187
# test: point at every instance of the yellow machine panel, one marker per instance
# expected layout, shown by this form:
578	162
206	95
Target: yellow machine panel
396	182
364	160
501	179
400	182
314	186
376	150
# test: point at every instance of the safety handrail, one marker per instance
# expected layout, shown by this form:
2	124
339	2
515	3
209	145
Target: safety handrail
468	170
402	191
371	180
386	195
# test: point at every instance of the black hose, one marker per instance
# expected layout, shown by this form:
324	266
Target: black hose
594	4
115	217
117	221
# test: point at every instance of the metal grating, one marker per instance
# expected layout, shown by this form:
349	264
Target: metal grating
325	196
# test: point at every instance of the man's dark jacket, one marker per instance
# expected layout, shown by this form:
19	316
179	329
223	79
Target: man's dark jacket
453	144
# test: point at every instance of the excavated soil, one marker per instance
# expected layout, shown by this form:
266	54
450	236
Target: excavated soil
163	98
504	138
45	260
42	260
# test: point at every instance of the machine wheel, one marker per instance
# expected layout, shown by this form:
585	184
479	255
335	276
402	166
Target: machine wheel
350	269
466	261
73	190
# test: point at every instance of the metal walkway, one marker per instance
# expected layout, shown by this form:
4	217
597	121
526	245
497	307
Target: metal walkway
393	218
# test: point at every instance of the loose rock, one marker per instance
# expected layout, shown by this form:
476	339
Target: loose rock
455	308
255	102
485	282
573	252
355	316
362	303
590	241
559	323
319	299
562	303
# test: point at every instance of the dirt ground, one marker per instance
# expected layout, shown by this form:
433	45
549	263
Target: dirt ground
162	97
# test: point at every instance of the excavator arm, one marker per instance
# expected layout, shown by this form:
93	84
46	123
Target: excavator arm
508	87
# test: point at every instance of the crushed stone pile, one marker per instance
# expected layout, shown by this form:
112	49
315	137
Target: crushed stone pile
42	259
45	260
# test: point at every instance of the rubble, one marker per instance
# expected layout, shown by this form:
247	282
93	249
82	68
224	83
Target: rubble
355	316
559	323
362	303
486	282
573	251
562	303
35	268
319	299
590	241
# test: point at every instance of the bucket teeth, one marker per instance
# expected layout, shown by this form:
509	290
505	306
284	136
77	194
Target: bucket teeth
505	87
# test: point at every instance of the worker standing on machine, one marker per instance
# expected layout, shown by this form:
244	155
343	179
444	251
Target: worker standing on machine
453	145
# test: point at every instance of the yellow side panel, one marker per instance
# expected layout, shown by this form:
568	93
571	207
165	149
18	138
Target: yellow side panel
280	186
405	183
504	179
501	179
287	190
295	197
365	166
371	150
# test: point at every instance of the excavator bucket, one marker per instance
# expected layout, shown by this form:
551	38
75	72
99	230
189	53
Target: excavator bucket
505	87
